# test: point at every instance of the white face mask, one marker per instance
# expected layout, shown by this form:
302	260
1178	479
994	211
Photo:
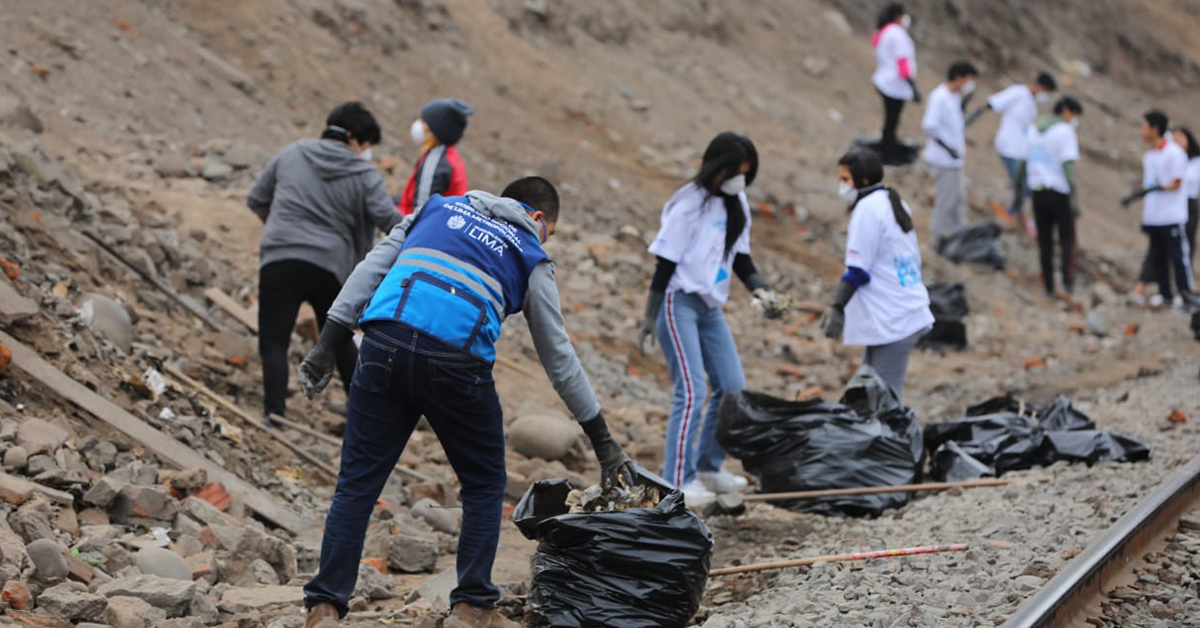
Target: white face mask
417	131
1042	98
847	192
906	21
366	155
734	186
968	88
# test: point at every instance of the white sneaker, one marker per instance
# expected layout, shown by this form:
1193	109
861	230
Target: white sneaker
696	495
722	481
1156	300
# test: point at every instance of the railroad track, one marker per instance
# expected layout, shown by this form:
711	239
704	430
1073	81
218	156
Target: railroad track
1077	590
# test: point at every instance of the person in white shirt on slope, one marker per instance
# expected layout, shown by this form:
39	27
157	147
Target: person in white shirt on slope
881	301
944	150
895	78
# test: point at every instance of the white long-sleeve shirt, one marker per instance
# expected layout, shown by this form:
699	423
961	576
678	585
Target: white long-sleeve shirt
943	121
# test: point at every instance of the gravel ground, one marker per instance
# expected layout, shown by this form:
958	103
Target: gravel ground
1166	592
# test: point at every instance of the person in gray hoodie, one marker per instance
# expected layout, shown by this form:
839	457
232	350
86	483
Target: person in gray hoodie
431	299
321	202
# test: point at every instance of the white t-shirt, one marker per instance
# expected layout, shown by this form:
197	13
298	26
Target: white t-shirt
894	304
1191	178
893	45
1048	151
1162	166
693	236
944	120
1018	109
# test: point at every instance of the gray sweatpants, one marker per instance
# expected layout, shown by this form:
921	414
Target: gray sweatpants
949	204
891	361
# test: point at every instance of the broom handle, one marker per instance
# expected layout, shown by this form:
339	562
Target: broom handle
839	558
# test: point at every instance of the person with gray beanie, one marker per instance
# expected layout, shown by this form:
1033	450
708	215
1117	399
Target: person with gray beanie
440	168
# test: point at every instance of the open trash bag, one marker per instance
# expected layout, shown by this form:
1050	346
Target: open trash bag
635	568
976	244
948	304
868	440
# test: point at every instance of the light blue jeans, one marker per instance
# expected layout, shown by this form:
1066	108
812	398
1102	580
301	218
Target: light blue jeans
696	341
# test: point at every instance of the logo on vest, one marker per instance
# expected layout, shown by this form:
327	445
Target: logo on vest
488	239
456	222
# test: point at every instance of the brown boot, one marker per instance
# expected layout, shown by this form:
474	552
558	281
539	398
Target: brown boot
467	616
321	616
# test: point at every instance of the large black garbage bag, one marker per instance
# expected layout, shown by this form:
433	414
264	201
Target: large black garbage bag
948	304
976	244
636	568
1090	446
1061	415
813	445
951	463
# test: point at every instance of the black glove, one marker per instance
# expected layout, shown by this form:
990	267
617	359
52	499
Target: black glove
916	90
616	469
953	153
650	319
834	319
316	370
974	115
1137	195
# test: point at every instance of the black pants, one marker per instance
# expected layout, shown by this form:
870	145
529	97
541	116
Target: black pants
282	287
1052	211
1146	274
892	108
1166	256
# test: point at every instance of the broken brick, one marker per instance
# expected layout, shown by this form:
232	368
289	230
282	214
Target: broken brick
9	268
36	620
812	392
40	70
203	563
379	564
5	359
1032	363
1132	329
1177	416
17	595
215	494
788	370
79	570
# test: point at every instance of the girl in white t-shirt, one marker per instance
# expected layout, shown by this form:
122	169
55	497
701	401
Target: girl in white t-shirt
881	302
703	242
894	78
1191	183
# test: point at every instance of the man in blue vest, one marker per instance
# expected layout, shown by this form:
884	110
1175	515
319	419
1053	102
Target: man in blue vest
431	299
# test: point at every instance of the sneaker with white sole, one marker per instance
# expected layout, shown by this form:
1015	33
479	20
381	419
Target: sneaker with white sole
722	481
695	494
1156	301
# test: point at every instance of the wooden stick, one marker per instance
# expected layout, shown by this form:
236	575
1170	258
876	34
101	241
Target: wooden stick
236	411
169	450
233	308
154	281
304	429
903	488
840	558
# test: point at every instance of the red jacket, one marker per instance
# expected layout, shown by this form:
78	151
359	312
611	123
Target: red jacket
440	171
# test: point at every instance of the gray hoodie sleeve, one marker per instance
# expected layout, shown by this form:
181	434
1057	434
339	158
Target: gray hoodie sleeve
361	283
543	311
380	207
263	192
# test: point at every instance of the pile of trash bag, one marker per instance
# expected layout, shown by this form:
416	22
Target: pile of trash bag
948	303
632	568
867	439
1005	434
975	244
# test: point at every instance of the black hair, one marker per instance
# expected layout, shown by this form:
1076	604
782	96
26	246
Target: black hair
536	192
1193	149
961	68
867	172
890	13
1046	82
351	120
1158	120
722	159
1066	103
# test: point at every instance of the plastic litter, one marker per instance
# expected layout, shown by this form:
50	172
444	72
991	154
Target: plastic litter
633	568
869	439
948	303
975	244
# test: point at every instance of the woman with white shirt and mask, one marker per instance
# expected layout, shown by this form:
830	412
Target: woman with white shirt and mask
703	242
881	302
895	78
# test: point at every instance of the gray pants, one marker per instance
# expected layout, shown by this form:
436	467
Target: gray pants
949	204
891	361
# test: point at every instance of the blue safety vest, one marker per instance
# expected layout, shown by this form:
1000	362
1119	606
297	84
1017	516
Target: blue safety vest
458	275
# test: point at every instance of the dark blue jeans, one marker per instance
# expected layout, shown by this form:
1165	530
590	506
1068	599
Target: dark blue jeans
402	374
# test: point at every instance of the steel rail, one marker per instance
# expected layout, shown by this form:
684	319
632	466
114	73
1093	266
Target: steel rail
1085	577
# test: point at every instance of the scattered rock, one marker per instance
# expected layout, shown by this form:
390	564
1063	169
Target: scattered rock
216	170
436	591
173	166
172	596
14	112
38	436
246	599
109	319
72	601
47	558
15	458
189	481
103	492
373	585
17	595
13	306
159	561
544	436
131	612
144	502
439	518
259	572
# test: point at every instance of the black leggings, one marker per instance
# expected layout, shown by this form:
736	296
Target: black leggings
1052	211
282	287
1166	257
892	108
1146	274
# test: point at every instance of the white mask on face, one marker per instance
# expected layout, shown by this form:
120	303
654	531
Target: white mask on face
1042	98
417	131
734	185
366	155
906	21
968	88
847	192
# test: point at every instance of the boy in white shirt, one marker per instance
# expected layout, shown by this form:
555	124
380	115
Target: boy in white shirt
1018	109
1164	211
944	125
1049	172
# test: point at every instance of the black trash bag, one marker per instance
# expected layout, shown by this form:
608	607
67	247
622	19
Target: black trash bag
867	394
1061	415
1090	446
948	304
977	431
950	463
1196	325
976	244
635	568
813	445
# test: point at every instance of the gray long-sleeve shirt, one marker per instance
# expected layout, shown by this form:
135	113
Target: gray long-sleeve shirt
321	203
542	308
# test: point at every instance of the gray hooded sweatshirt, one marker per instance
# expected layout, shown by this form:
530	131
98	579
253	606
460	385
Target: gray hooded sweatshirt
322	204
542	308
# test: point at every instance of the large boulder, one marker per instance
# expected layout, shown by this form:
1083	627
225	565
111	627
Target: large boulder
72	601
173	596
109	319
131	612
47	557
159	561
39	437
544	436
